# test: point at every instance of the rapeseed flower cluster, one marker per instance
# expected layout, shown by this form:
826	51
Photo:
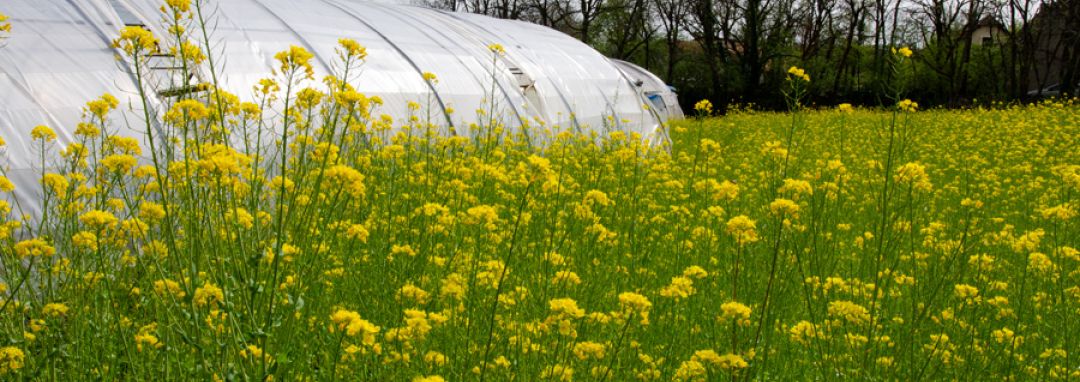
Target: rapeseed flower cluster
136	41
798	74
5	26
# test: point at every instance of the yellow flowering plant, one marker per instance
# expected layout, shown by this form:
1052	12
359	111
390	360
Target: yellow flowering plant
5	26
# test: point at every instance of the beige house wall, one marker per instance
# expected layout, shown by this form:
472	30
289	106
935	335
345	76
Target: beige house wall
987	33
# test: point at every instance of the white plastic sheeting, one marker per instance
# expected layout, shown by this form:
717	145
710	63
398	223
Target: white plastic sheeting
59	57
661	97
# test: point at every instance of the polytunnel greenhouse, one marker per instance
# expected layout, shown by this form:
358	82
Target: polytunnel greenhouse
60	56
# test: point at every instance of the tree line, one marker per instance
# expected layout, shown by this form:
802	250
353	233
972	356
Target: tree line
738	51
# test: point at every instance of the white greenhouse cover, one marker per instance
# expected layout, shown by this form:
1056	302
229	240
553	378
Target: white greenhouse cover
59	56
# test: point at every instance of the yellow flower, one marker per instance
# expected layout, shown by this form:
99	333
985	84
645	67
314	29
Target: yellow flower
351	324
220	160
98	219
308	98
151	211
1006	336
799	73
353	100
146	337
696	272
288	251
497	49
849	311
586	350
412	292
4	27
597	197
35	247
430	378
186	111
1040	263
903	51
680	287
208	294
253	352
704	107
136	39
296	59
190	52
567	277
126	145
846	108
119	163
1061	212
239	216
86	240
796	187
179	5
267	86
907	105
351	48
566	307
101	107
406	250
559	373
914	174
435	358
454	286
735	312
803	331
784	208
690	371
742	229
347	179
727	190
774	149
357	232
965	291
732	362
43	133
430	77
54	309
483	215
634	303
166	286
11	359
6	185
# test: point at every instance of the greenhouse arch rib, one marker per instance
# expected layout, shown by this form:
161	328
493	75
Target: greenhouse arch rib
464	33
555	89
558	90
299	36
419	71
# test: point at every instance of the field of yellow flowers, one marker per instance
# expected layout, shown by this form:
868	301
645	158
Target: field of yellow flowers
893	244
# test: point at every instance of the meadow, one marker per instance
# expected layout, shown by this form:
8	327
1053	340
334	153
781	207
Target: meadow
822	243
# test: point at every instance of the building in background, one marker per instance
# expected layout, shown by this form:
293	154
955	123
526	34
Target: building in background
988	31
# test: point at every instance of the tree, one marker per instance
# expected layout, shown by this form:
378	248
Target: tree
672	15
